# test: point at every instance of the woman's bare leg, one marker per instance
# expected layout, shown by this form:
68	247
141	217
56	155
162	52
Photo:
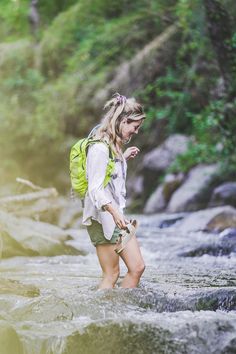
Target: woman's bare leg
133	259
109	262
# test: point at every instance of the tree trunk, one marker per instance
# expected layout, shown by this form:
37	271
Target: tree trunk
34	18
219	25
220	32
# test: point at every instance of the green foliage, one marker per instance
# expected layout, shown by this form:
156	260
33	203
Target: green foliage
81	43
32	79
171	102
212	140
13	19
74	46
41	84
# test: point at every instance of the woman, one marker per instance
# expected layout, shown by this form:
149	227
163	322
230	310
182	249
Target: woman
103	206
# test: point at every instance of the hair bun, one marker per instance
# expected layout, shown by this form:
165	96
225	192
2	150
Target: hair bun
120	99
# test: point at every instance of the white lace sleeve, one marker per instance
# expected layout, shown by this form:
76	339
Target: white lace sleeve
97	160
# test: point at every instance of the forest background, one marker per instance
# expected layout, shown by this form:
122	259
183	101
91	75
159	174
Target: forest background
58	57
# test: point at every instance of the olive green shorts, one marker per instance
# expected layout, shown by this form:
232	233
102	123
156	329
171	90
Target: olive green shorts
96	234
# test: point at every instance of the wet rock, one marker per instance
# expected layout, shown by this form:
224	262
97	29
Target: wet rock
126	338
223	220
43	310
159	220
230	348
228	239
160	158
22	236
9	286
223	299
9	340
169	222
194	193
224	245
207	300
159	199
188	332
225	194
213	219
210	249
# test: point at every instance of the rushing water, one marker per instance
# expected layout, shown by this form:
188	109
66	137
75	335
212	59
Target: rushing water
183	304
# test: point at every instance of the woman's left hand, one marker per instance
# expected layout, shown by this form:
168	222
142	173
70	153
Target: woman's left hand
131	152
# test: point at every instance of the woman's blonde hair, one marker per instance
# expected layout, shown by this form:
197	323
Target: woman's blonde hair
119	107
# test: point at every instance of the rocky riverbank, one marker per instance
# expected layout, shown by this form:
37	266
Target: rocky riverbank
49	302
185	303
154	189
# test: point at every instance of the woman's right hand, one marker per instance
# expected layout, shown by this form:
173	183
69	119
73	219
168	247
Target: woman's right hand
118	217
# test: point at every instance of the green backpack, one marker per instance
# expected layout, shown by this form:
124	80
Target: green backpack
78	157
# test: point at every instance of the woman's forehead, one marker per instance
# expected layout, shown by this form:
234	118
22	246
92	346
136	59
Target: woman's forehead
137	122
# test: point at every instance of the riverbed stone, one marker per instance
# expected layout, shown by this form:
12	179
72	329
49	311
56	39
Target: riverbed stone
212	220
160	158
194	193
225	194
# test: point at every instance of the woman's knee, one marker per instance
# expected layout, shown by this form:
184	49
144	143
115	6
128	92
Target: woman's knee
138	269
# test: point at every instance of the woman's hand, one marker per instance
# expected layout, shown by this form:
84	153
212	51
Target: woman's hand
131	152
118	217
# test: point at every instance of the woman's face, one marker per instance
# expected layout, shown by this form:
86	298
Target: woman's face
129	127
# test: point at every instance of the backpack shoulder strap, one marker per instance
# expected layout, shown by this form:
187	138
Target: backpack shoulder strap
93	141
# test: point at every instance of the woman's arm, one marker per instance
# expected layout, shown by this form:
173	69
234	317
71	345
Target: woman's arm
97	160
117	216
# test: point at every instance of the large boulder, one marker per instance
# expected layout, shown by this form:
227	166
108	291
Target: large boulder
26	237
160	158
225	194
213	219
70	215
158	200
135	186
194	193
61	211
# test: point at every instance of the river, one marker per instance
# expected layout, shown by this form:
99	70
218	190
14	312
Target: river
185	303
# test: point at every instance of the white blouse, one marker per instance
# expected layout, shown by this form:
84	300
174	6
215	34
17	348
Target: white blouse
97	195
